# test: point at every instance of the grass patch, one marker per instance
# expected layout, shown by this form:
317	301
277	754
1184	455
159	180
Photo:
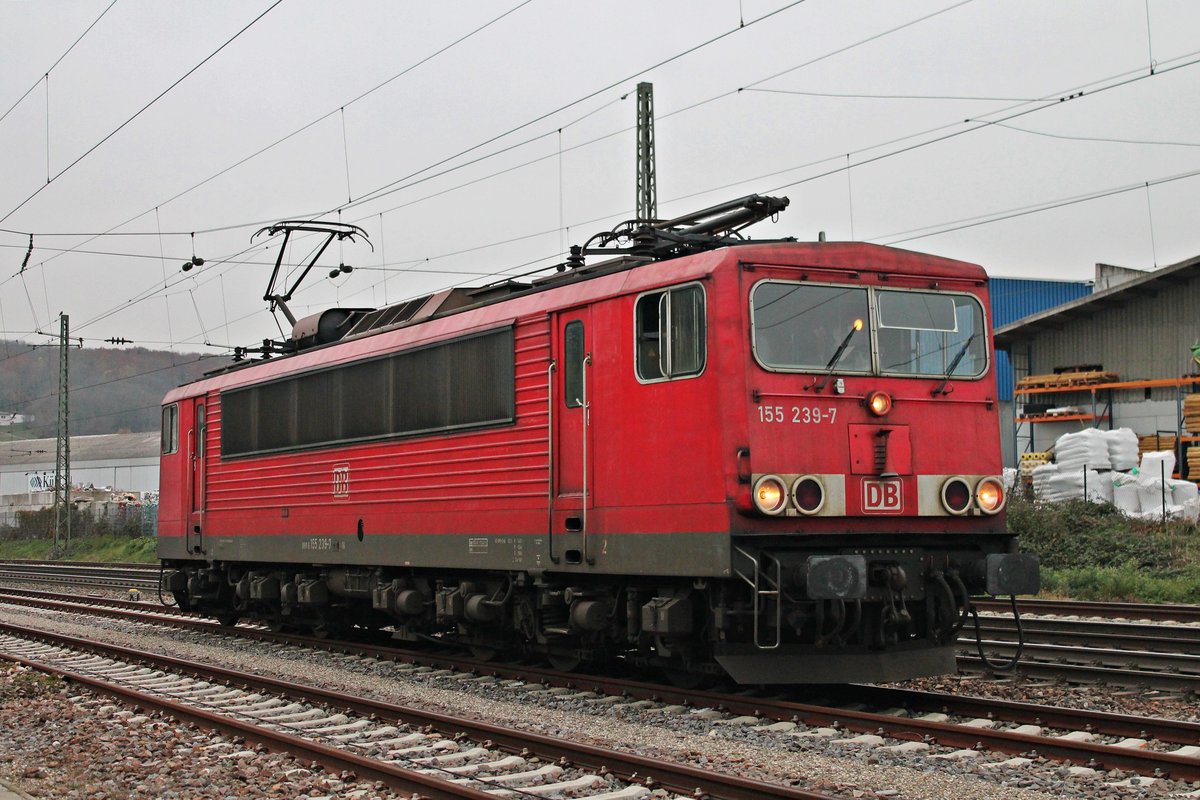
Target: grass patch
139	550
1092	551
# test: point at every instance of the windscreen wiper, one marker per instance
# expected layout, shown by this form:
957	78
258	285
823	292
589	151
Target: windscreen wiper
837	355
962	351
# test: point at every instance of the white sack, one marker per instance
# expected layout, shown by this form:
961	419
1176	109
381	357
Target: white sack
1183	492
1153	495
1086	448
1062	484
1122	448
1157	464
1125	492
1009	478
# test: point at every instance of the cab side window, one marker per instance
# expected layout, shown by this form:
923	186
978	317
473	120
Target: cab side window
170	429
573	347
669	333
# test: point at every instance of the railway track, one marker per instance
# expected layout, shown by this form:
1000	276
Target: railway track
1062	647
1158	612
461	758
893	717
143	577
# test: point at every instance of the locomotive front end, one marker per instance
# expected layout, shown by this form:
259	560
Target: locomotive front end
870	503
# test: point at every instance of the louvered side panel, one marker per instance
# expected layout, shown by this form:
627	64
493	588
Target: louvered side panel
481	470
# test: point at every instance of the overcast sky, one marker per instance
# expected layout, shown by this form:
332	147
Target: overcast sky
474	139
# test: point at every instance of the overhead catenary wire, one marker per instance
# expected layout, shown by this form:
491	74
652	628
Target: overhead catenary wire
592	94
1102	139
385	188
856	164
113	231
139	112
988	219
1054	100
391	187
58	60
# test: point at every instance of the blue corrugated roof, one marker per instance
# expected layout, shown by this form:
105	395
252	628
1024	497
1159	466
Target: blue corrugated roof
1016	298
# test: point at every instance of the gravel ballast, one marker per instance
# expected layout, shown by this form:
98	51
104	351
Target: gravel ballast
815	762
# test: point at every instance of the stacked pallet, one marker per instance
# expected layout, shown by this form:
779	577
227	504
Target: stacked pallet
1065	380
1193	461
1031	461
1191	413
1156	442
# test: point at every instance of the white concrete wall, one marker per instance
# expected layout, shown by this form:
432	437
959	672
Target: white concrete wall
137	475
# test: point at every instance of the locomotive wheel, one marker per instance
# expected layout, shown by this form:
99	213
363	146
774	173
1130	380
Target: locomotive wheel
227	619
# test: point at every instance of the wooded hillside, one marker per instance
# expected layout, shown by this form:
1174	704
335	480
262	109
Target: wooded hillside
112	389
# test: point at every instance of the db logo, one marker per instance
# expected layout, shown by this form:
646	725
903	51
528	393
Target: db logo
341	480
882	497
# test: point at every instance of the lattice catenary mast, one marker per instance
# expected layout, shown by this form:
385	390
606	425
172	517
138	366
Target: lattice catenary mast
62	458
647	189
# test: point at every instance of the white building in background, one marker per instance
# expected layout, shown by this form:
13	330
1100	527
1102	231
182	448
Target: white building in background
8	418
125	463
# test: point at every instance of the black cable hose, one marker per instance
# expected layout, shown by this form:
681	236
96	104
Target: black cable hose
162	568
940	582
1007	666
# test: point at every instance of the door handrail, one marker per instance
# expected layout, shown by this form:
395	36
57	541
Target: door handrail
550	370
586	409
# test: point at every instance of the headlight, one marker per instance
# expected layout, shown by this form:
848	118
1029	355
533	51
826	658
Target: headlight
989	495
956	496
770	495
808	495
879	403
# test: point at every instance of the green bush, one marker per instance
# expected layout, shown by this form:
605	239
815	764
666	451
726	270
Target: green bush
33	525
1078	534
1091	551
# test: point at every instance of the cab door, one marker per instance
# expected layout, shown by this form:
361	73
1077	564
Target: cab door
197	461
573	474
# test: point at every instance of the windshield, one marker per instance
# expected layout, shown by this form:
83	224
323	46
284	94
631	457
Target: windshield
802	326
922	333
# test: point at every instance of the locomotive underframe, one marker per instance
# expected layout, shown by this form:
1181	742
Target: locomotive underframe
828	609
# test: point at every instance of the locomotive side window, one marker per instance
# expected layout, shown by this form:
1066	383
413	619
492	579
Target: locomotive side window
810	327
573	352
931	333
170	429
463	383
670	334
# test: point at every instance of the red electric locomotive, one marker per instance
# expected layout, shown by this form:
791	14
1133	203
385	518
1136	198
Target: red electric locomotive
775	460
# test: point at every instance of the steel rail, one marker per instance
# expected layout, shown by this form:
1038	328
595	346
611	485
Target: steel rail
1170	612
331	758
1162	680
1174	731
1133	636
628	767
87	574
947	734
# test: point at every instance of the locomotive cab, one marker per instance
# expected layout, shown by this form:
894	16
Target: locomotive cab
869	498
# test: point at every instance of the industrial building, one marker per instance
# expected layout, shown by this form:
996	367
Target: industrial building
1134	333
110	468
